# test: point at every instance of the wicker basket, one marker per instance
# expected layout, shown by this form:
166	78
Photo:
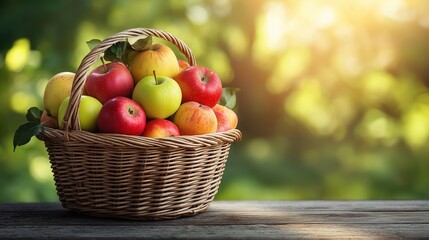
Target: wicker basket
134	177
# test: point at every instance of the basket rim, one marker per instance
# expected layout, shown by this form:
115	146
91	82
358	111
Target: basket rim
122	140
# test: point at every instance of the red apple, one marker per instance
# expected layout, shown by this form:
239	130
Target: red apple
48	121
226	118
121	115
158	128
109	81
183	64
193	118
199	84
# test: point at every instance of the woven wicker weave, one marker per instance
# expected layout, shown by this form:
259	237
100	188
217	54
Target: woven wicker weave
134	177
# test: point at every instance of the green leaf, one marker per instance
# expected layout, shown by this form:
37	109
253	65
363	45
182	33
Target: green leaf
123	51
25	132
229	97
117	52
93	43
140	43
34	114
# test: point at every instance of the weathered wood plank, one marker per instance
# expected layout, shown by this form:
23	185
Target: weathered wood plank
221	218
295	231
350	206
229	220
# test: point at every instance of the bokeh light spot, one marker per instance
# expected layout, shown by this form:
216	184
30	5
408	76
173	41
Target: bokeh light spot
18	55
416	125
309	105
290	65
40	168
259	149
21	101
198	14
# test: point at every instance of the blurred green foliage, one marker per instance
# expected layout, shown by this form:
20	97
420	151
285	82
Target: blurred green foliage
334	100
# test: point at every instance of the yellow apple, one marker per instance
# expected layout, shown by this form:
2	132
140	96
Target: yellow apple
89	109
58	88
159	58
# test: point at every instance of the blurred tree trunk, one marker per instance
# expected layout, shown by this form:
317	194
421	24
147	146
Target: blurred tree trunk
257	116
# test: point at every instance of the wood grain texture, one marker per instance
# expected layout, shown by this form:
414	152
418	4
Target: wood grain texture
229	220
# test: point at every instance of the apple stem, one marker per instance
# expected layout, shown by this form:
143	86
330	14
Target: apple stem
154	75
104	64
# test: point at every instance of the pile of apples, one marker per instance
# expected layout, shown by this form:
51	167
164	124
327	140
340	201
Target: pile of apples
153	95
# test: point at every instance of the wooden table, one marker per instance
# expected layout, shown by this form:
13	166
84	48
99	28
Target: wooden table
229	220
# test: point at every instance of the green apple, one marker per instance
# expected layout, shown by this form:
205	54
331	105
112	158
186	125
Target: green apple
58	88
159	58
159	96
89	109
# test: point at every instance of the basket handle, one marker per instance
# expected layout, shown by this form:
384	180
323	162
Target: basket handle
71	117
